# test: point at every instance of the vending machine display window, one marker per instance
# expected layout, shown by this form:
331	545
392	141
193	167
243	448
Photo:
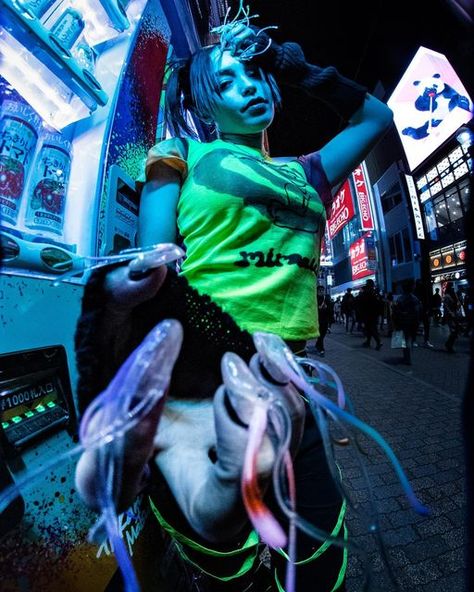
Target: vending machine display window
35	397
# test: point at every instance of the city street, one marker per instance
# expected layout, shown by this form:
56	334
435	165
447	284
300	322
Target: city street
417	410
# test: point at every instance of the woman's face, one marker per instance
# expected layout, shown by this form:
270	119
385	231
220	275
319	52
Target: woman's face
246	104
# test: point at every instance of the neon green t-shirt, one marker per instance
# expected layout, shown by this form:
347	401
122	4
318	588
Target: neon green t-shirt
252	232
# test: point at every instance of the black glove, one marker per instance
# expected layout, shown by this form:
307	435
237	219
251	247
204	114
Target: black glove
288	65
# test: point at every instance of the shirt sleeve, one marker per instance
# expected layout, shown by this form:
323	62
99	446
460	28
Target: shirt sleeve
172	152
316	177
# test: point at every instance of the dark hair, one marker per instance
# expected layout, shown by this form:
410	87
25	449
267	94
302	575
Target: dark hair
408	286
192	86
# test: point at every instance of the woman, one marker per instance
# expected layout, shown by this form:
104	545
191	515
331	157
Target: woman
251	226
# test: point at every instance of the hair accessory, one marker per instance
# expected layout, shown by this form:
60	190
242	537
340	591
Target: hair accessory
225	31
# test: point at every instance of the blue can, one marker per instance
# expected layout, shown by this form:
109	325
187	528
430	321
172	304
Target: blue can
39	7
68	27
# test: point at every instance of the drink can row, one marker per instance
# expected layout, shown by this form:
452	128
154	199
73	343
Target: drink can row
34	167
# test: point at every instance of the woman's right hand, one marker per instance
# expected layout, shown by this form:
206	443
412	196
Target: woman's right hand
125	291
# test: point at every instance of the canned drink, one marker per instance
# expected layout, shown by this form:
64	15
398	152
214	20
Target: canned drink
38	7
48	187
68	27
19	129
85	55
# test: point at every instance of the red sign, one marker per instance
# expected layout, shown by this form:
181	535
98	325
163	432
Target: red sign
363	257
363	199
342	210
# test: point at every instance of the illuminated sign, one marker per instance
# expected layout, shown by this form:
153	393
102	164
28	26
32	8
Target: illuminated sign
448	257
363	199
429	104
342	210
363	257
415	205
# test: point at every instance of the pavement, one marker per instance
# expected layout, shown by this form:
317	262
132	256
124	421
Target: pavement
417	409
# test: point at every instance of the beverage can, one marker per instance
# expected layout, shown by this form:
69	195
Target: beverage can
48	187
85	55
19	128
38	7
68	27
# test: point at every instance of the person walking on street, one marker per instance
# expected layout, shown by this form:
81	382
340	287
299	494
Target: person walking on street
407	312
436	302
370	310
451	316
348	309
423	297
325	315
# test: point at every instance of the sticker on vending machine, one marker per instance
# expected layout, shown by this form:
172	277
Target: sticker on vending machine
48	187
19	130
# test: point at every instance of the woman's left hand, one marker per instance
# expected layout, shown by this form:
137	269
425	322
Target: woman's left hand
237	38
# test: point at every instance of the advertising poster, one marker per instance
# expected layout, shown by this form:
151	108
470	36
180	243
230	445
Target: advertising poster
429	104
363	199
342	210
363	257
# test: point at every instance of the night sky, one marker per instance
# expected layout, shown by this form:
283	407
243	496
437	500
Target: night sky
368	41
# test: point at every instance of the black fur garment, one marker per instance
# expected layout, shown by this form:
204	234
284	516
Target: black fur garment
208	331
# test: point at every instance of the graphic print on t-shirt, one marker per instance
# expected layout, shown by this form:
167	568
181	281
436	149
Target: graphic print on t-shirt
262	185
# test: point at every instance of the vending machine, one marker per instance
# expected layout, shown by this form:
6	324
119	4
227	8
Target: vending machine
80	89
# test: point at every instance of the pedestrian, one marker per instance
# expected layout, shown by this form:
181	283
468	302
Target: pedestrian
348	310
452	316
389	305
324	316
423	296
407	312
370	310
337	310
251	225
436	302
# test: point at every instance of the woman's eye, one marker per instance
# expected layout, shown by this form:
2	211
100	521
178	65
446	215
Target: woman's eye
224	84
254	72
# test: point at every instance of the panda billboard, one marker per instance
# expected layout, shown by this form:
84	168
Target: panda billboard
429	104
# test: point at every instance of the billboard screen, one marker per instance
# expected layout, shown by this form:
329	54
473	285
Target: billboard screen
429	104
363	257
342	210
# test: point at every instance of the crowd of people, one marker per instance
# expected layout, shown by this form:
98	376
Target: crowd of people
414	311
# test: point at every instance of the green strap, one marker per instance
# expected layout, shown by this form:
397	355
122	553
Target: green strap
250	546
327	543
340	577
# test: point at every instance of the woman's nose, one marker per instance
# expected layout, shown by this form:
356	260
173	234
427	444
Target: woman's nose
248	88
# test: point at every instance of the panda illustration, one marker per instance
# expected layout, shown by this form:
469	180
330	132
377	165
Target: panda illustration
438	99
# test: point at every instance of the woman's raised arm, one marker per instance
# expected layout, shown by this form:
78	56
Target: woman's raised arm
341	155
158	205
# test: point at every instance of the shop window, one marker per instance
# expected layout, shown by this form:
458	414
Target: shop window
396	249
407	246
430	217
391	198
453	204
465	193
441	212
338	244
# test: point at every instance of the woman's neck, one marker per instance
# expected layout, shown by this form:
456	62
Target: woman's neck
250	140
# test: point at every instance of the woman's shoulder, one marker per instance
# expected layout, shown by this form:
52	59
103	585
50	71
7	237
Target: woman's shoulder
176	145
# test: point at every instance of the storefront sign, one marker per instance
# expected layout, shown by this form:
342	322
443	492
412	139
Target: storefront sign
436	262
363	199
449	257
342	210
415	205
460	253
363	257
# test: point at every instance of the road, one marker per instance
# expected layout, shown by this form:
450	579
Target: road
417	410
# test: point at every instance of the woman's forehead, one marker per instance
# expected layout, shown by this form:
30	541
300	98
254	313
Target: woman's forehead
223	60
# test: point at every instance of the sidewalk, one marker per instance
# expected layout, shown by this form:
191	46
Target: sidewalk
417	410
